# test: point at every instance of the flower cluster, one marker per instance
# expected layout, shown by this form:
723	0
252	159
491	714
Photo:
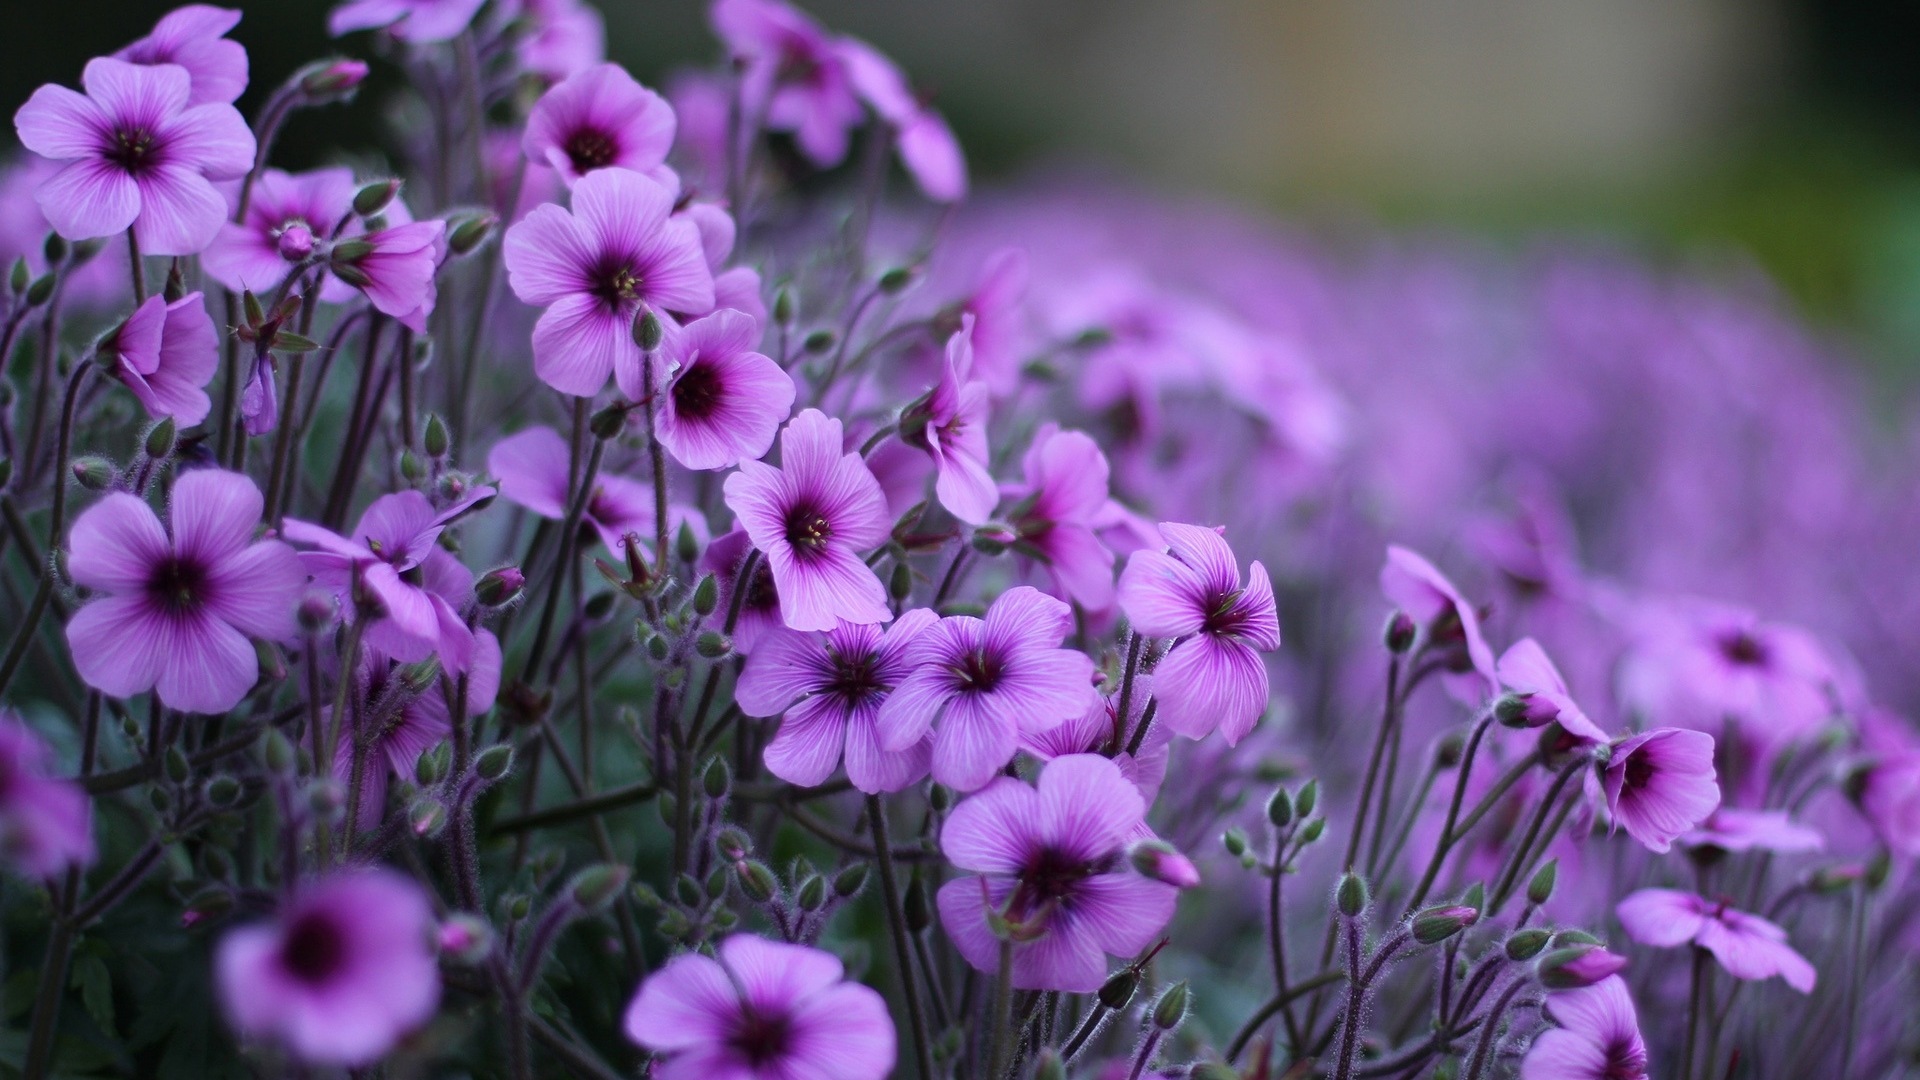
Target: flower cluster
636	581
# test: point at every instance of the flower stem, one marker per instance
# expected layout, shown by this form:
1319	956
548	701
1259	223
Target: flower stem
1002	1013
1696	1008
136	268
1447	835
897	925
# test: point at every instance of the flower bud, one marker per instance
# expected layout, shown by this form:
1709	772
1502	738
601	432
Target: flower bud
160	440
500	587
732	843
316	612
900	583
717	779
1475	897
596	886
1540	887
1400	632
1307	799
1160	861
812	894
1511	710
1350	896
494	762
783	305
716	884
1437	924
848	882
706	595
686	546
1172	1007
1235	841
1280	809
209	903
279	752
940	797
1526	944
295	242
41	290
1310	832
1049	1066
470	231
427	816
647	330
608	423
326	797
895	280
19	277
658	646
55	249
1119	988
465	938
1577	966
1565	938
712	644
327	80
371	199
93	472
819	341
516	906
223	790
914	907
756	881
174	761
687	891
434	438
419	677
432	764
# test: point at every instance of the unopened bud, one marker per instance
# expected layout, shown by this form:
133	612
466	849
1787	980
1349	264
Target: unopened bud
687	891
1280	809
900	584
1578	966
494	762
608	423
93	472
465	938
1540	886
427	816
19	277
819	341
500	587
1350	896
647	330
1307	798
783	306
160	440
597	885
848	882
1172	1007
1235	841
175	763
371	199
41	290
1310	832
470	232
732	844
717	779
317	611
1160	861
940	797
712	644
419	677
1119	988
812	894
686	546
295	242
432	764
1400	632
894	281
706	595
434	438
55	249
756	881
223	790
330	79
1524	945
1437	924
914	906
279	752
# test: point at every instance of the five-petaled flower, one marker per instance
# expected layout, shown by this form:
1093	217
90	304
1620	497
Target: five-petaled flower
1748	946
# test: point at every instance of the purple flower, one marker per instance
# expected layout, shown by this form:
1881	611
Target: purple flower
1748	946
1099	727
761	1010
533	468
593	269
1452	625
1660	784
795	73
1000	330
289	217
177	611
979	682
1052	861
561	37
811	518
828	689
1056	508
1749	830
395	268
395	558
194	37
1701	665
723	400
166	354
1526	670
1213	677
416	22
925	143
1596	1036
760	608
343	972
398	734
138	155
951	425
600	118
46	824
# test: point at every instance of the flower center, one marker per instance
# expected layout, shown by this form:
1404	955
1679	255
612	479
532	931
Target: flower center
809	531
697	392
855	679
1625	1061
1223	614
760	1038
977	671
313	950
1744	650
1639	772
133	149
1050	880
761	594
590	150
616	284
179	584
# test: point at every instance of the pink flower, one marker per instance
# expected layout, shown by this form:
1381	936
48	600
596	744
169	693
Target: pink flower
289	217
951	425
977	683
1526	670
1095	729
395	268
811	518
795	72
1000	332
724	400
1596	1036
1213	677
1660	784
601	118
194	37
1056	509
1749	830
760	608
1700	665
1052	861
166	354
416	22
761	1010
595	268
1452	625
925	143
532	468
46	824
343	972
1748	946
562	37
829	687
410	728
176	612
138	155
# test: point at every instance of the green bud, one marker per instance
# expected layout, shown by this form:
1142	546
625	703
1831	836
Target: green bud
494	762
1568	938
1540	888
706	595
686	546
161	798
1172	1007
432	765
1350	896
598	606
609	422
19	277
465	938
1119	988
940	798
175	763
1235	841
812	894
434	438
894	281
732	844
55	249
374	197
647	330
1310	832
1307	799
717	779
1524	945
176	286
900	583
93	472
1475	897
500	587
1049	1066
1511	710
41	290
1573	968
756	881
470	232
209	903
596	886
419	677
223	790
848	881
1452	745
716	884
819	341
1437	924
427	816
783	306
658	646
712	644
917	912
1400	632
1280	809
518	907
160	440
279	752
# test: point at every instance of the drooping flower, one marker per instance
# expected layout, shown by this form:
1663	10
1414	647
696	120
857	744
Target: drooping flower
137	155
1052	861
1735	830
176	612
288	218
1746	945
594	268
1701	665
761	1010
1596	1036
1526	670
166	353
796	75
600	118
342	973
977	683
1452	625
402	722
723	400
811	518
395	267
951	426
194	37
416	22
1055	510
1660	784
46	824
1100	729
828	689
533	468
1213	677
927	148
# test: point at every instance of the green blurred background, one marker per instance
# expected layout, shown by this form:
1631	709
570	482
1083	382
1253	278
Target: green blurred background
1787	131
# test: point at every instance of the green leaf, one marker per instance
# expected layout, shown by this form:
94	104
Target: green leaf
95	983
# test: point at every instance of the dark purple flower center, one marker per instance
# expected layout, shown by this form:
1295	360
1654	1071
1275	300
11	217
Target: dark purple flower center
1744	650
133	149
977	671
697	392
589	149
761	593
1639	772
1050	881
1224	616
808	530
314	949
856	678
761	1038
1626	1060
615	282
178	584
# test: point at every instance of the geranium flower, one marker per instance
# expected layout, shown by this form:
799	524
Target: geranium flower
927	148
416	22
46	824
138	155
1052	861
951	426
177	611
1213	677
761	1010
1754	830
533	468
411	728
166	353
1526	670
194	37
562	37
795	74
722	400
976	683
395	267
1418	588
288	218
601	118
1747	946
1596	1036
1700	665
1660	784
1055	511
760	608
